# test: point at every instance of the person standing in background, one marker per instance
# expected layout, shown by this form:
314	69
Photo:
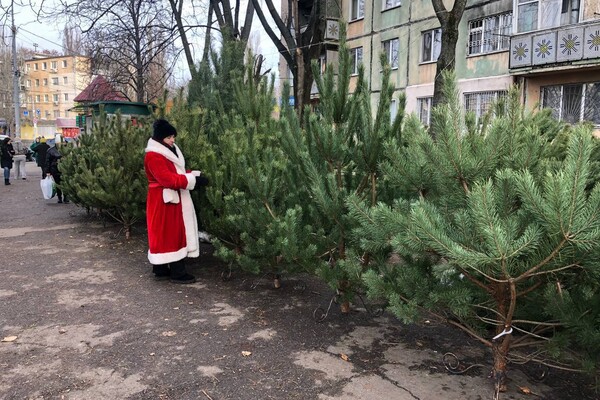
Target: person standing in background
40	155
52	160
35	144
20	159
6	158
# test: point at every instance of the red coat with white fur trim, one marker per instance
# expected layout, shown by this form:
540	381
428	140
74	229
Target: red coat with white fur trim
170	214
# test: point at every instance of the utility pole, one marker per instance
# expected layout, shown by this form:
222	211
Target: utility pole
16	75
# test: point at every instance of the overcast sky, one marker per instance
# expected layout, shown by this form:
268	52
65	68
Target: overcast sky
47	36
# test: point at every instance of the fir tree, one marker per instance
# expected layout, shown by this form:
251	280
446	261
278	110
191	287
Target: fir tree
106	171
337	155
496	230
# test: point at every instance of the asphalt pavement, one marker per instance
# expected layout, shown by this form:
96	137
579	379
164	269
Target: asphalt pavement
81	317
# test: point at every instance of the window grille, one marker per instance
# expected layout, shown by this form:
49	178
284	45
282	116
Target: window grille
490	34
573	103
481	102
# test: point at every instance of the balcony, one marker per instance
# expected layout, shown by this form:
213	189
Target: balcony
576	45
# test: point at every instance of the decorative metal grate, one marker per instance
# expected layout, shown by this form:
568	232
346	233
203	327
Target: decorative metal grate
573	103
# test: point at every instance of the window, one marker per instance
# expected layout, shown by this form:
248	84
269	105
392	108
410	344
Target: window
35	66
66	96
431	44
390	48
64	63
28	66
65	80
37	98
46	98
45	81
55	97
54	64
424	110
527	15
37	82
481	102
357	56
28	83
387	4
490	34
537	14
55	81
393	110
574	102
56	113
357	9
44	65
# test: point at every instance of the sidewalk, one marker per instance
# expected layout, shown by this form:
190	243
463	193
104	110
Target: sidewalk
92	323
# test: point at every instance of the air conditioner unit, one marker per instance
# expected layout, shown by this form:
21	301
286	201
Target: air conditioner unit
53	70
56	103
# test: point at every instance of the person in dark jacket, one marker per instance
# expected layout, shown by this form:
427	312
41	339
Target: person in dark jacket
6	158
40	155
53	157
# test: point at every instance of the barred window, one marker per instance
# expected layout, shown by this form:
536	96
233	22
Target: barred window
490	34
424	109
574	102
481	102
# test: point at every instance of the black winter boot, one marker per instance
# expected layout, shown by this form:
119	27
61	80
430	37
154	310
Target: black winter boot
179	274
6	182
161	271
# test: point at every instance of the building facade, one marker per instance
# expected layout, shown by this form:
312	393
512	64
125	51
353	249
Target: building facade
550	47
49	85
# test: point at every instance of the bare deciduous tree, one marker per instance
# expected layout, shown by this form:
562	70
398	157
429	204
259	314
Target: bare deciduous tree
129	41
302	33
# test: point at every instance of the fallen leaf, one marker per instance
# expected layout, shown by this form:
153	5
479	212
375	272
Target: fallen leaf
169	333
246	353
10	339
525	390
344	357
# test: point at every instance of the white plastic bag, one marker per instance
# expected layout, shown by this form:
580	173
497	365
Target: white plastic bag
48	187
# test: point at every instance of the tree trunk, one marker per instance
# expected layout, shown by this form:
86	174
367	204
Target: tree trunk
449	21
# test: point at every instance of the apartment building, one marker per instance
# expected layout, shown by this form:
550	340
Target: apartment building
49	85
551	47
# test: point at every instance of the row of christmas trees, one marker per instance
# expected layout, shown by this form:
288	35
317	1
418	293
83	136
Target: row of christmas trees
492	226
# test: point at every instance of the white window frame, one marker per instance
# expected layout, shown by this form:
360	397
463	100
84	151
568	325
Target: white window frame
485	98
64	63
44	65
490	34
357	10
54	64
389	4
393	110
434	37
66	96
391	48
424	113
55	97
356	54
55	81
544	19
46	98
518	6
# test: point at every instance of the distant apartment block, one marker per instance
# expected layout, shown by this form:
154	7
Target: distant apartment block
550	47
49	85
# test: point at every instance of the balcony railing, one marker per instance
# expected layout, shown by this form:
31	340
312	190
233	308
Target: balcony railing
549	47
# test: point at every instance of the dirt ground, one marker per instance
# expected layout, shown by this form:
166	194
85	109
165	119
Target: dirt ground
82	318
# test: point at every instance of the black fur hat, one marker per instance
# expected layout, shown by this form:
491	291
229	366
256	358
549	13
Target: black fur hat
161	129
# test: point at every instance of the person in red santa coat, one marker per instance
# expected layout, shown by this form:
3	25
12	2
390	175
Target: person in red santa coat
170	214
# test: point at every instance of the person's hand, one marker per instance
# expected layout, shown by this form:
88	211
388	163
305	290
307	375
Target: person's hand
200	181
